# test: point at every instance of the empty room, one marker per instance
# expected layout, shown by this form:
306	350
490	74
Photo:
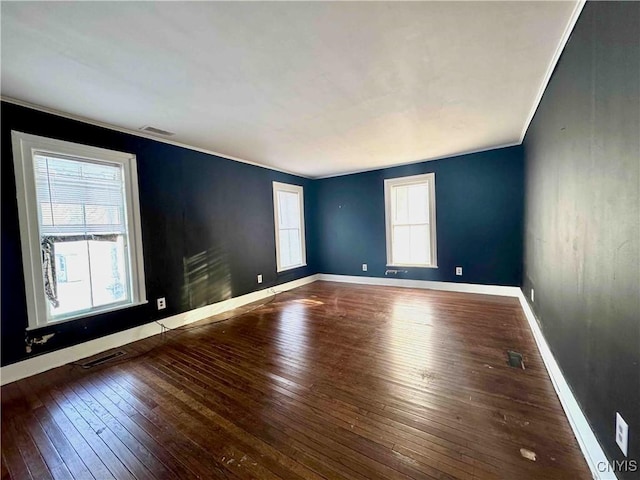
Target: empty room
320	240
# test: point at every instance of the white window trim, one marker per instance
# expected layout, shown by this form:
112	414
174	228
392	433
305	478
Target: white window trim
24	146
286	187
389	183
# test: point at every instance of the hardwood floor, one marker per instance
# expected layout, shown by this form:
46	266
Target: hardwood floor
325	381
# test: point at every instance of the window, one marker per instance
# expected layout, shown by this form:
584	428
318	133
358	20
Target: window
288	204
410	211
79	227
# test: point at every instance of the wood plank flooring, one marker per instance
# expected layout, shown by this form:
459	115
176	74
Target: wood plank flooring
326	381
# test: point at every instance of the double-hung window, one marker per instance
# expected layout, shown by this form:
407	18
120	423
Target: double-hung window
410	212
80	229
288	203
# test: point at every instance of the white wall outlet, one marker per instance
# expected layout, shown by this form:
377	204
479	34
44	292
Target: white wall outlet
622	433
459	271
533	295
364	267
162	303
259	278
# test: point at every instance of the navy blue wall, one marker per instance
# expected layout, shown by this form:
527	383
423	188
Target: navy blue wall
582	220
479	208
197	210
207	226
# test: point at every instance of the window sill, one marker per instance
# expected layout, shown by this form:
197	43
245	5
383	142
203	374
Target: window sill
291	268
89	314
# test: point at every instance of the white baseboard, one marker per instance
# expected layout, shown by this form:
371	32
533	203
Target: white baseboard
591	449
47	361
427	284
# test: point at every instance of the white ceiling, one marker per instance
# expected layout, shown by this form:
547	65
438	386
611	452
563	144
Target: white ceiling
313	88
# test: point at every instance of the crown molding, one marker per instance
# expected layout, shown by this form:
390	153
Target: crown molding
552	65
414	162
138	133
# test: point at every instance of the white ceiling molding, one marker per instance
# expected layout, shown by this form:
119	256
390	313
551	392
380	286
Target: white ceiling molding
142	134
552	65
311	88
138	133
457	154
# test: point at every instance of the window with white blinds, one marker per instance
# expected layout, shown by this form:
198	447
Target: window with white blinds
410	221
80	229
288	204
79	197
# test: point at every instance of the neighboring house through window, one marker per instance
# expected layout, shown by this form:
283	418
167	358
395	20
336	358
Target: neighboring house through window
80	229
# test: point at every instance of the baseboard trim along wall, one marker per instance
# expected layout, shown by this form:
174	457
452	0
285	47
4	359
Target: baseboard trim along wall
426	284
591	449
47	361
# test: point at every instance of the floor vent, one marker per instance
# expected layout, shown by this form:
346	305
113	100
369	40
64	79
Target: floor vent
514	359
101	360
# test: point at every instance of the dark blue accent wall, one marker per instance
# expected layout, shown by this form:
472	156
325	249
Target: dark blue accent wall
207	228
582	219
479	208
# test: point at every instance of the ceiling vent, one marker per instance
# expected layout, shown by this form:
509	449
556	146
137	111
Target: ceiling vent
156	131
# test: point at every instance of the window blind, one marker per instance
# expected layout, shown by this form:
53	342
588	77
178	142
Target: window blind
79	197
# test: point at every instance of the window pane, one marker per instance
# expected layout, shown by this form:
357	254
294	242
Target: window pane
420	248
74	293
79	197
401	245
290	248
295	254
285	249
418	203
89	274
108	272
105	215
62	214
411	245
401	209
289	211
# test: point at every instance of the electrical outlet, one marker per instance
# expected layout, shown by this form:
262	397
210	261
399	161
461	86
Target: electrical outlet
259	278
364	267
162	303
459	271
532	296
622	433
